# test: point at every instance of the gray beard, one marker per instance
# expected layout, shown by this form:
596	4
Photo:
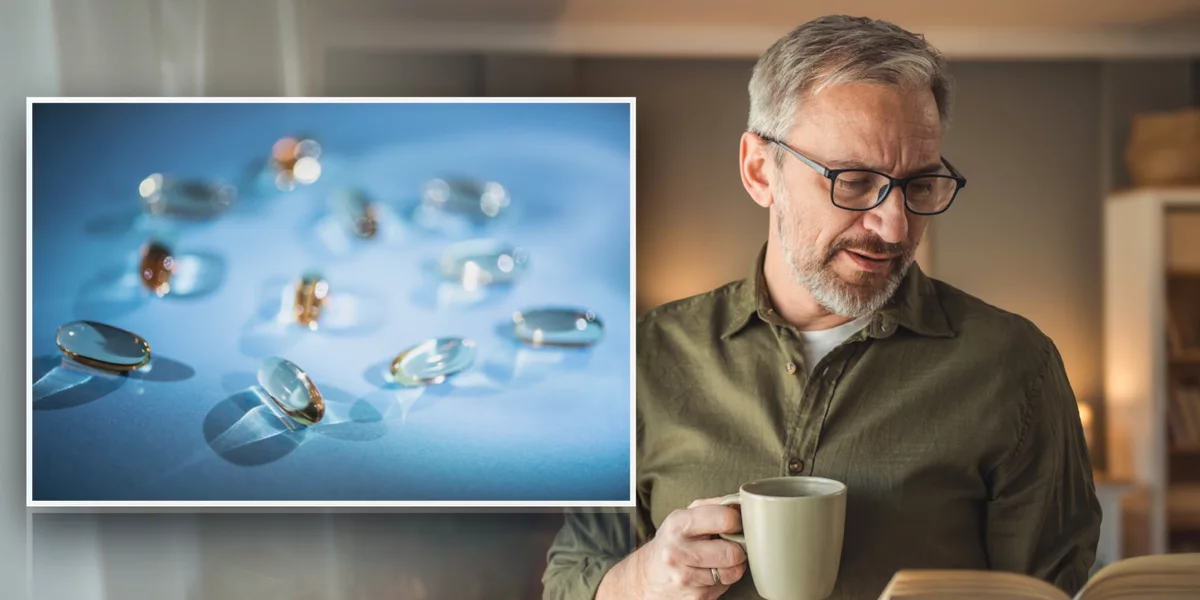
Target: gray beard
812	271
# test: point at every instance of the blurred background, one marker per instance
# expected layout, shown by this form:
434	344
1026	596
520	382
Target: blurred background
406	555
1074	122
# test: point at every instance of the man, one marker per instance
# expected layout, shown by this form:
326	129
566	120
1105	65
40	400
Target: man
951	422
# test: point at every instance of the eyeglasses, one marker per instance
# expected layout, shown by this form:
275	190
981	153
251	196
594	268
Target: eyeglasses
863	189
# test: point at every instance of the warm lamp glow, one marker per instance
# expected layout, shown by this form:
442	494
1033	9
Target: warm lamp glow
667	282
1121	386
1085	418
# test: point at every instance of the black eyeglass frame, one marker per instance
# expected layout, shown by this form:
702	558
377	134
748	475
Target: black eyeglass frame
832	175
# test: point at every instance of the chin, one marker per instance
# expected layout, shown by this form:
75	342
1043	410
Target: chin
864	280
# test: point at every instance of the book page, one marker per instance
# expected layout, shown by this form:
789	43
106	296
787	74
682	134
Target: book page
1144	573
918	584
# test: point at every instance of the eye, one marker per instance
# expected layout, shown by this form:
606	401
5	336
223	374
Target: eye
854	183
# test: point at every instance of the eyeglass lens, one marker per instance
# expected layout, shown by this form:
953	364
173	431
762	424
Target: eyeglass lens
860	190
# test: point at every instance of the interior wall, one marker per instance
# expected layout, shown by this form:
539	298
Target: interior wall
1130	87
1195	82
1026	235
696	226
352	74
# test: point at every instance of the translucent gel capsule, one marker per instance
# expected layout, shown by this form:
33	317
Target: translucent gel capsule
102	346
558	327
311	293
187	199
290	389
156	267
476	201
476	263
356	212
433	361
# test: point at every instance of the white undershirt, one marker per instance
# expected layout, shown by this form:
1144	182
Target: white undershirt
819	343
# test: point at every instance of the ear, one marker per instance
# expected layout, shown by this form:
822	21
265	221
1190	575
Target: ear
756	164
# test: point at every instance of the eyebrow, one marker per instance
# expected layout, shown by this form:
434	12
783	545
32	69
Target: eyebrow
853	164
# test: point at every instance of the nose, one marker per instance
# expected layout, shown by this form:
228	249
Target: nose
889	220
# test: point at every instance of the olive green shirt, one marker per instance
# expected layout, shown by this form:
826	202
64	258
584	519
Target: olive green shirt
951	422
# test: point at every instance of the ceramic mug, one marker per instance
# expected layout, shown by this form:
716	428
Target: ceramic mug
792	530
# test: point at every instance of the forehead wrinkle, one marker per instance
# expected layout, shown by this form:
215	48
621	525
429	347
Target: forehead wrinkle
855	125
894	148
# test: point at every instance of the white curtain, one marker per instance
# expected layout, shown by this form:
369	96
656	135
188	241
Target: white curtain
177	47
111	48
28	65
115	47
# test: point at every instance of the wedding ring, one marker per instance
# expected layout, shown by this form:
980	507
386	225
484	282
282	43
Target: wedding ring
716	577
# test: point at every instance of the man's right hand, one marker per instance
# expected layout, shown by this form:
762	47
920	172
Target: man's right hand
678	562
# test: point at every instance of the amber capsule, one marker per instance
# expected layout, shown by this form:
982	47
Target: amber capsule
156	267
311	294
283	153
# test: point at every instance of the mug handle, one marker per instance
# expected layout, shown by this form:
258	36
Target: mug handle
740	538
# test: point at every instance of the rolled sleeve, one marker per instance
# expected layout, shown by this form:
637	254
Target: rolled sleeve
590	543
1043	517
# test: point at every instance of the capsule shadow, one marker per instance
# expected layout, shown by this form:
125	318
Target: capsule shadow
244	431
60	383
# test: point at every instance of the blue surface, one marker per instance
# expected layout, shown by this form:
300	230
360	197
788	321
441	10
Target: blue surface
521	425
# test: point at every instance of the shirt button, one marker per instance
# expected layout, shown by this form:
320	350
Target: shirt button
791	368
795	466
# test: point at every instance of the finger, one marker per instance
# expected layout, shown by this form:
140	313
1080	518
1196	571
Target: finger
714	553
697	577
708	520
706	501
730	575
725	577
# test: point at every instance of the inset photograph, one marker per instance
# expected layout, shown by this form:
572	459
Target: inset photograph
330	302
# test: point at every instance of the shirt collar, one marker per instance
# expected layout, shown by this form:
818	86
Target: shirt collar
915	306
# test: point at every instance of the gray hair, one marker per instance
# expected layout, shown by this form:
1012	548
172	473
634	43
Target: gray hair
839	49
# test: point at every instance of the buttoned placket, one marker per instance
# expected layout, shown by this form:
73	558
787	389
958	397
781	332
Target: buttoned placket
803	434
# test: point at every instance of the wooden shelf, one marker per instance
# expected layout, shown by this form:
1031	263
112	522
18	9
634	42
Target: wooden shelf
1183	507
1152	350
1189	357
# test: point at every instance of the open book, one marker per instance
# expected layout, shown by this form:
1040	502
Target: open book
1159	577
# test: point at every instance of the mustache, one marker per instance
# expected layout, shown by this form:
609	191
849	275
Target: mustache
869	245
